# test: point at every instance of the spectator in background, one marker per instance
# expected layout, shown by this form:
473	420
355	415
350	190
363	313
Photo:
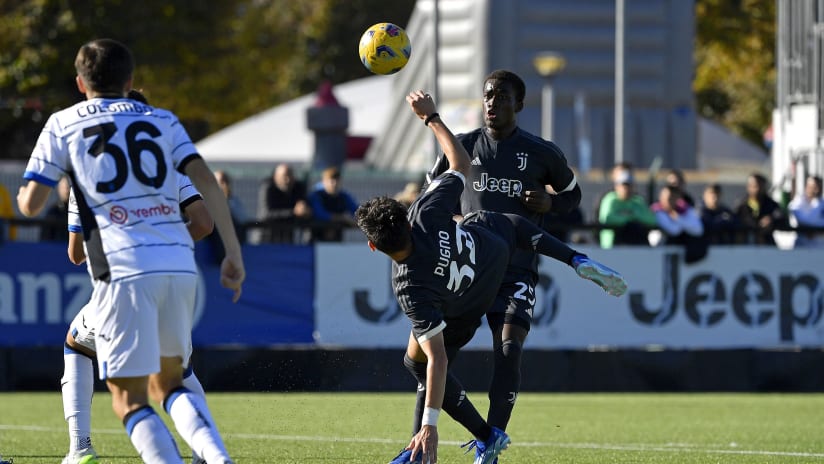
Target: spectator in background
807	210
332	206
720	223
675	178
7	231
625	210
679	223
281	203
58	227
759	213
238	213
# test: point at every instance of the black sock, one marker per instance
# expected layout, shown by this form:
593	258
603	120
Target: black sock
458	406
530	236
506	382
455	402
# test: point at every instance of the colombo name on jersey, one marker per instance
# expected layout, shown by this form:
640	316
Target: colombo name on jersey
121	155
455	269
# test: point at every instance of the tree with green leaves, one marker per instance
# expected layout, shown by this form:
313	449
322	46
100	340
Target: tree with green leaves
212	63
735	77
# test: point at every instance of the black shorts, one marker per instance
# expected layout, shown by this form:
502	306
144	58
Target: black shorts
514	304
459	332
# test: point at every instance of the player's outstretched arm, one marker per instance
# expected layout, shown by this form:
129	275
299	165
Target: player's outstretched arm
232	272
455	153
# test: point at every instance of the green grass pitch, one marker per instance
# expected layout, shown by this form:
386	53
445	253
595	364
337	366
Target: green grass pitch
326	428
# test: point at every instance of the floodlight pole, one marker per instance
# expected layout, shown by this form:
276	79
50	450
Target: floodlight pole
619	80
548	65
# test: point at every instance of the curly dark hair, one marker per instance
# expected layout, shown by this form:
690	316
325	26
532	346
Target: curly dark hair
383	221
514	80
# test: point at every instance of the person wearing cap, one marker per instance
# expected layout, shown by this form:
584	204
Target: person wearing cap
625	210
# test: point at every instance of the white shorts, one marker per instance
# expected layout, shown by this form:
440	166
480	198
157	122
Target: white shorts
84	324
143	319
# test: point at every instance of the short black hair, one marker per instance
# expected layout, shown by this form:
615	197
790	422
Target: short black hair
383	221
514	80
105	65
715	188
137	95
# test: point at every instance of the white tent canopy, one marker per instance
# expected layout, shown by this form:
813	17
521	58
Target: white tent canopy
279	134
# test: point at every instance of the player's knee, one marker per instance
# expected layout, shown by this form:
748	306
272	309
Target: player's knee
511	348
509	354
157	391
163	383
417	369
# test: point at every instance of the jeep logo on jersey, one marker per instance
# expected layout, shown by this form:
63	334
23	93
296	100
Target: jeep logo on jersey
510	187
521	160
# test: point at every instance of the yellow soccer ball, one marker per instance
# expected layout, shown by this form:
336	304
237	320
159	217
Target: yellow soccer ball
384	48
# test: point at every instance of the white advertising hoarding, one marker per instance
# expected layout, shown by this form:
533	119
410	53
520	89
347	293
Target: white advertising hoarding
738	297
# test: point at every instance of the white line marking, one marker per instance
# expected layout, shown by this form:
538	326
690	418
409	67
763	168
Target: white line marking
651	448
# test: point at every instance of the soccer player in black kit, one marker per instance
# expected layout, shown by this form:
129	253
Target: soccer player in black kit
446	273
509	172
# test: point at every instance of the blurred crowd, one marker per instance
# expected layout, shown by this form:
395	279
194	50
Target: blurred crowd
291	212
674	217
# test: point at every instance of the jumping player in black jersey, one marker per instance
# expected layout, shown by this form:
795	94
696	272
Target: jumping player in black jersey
446	274
510	169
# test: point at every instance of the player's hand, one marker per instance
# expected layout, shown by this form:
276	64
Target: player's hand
232	275
538	201
426	442
421	103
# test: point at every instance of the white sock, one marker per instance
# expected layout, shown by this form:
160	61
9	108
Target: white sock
194	423
192	383
151	438
77	386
